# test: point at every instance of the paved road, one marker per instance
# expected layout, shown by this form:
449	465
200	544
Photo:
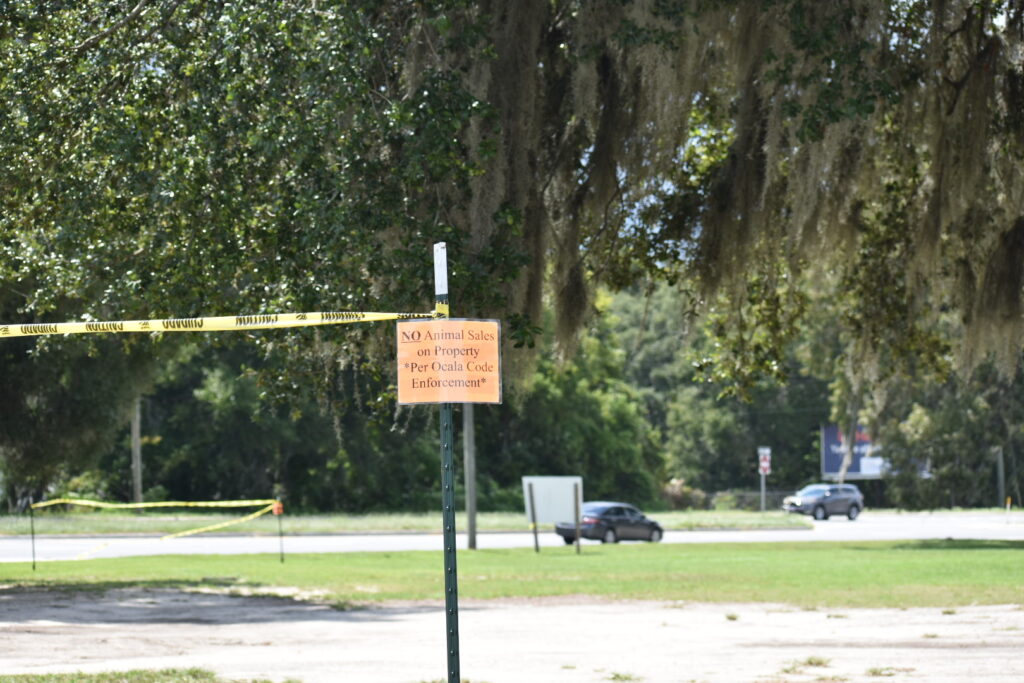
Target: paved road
870	527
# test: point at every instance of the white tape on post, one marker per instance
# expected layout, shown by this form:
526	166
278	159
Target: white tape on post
441	269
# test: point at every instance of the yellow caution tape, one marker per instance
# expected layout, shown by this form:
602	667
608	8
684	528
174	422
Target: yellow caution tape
272	505
214	527
213	324
162	504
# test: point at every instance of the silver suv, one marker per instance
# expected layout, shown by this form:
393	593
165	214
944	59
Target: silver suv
823	500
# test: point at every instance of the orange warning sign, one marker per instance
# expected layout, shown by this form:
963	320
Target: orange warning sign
449	361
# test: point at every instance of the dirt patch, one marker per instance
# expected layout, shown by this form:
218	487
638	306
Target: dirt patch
571	640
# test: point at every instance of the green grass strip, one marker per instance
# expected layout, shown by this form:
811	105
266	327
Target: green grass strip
809	575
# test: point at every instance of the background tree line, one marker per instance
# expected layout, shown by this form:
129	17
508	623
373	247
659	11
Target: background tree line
630	410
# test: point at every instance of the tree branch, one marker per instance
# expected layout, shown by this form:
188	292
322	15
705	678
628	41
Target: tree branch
131	16
166	20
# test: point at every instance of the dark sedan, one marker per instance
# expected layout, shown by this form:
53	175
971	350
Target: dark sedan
611	522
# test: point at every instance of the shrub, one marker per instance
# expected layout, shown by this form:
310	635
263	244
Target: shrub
725	500
679	496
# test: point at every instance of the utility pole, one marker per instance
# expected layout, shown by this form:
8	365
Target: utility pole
137	450
764	467
1000	476
469	457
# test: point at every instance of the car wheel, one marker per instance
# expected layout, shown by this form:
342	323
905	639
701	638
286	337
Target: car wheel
609	536
819	513
655	535
569	540
853	512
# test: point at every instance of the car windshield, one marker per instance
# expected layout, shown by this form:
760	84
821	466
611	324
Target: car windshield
594	508
812	490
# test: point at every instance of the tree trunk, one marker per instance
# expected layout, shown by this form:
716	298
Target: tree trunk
849	439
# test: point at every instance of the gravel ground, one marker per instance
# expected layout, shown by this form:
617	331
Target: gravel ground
571	640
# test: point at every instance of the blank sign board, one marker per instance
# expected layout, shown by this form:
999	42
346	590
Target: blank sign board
553	498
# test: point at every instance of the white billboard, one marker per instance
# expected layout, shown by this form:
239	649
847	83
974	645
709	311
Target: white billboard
553	498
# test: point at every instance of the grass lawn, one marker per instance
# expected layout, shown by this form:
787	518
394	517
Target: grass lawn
85	521
809	575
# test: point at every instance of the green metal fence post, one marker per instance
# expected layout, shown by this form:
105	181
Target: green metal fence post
32	524
451	582
280	536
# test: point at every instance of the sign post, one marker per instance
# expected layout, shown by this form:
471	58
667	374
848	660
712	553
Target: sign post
533	518
447	361
451	582
764	466
32	525
576	513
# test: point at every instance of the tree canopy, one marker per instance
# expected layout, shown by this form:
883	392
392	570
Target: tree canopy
211	156
194	157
